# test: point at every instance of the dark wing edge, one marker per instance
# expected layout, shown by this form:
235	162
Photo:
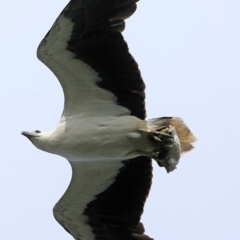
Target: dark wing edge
97	40
115	213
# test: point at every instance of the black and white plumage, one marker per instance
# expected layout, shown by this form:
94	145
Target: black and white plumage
102	131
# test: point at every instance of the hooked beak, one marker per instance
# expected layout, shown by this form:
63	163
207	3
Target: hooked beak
28	134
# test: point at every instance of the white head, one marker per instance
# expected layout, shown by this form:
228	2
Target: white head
39	139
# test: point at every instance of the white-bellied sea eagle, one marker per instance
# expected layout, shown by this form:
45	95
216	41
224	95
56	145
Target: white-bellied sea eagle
102	131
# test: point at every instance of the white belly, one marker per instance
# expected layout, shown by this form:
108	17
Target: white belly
100	138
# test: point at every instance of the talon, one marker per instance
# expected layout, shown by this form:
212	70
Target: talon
165	129
159	134
165	134
155	154
167	152
162	128
157	139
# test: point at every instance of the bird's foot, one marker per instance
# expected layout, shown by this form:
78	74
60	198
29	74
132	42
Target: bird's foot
167	152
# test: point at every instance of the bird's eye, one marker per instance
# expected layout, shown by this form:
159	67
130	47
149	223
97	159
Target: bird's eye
37	131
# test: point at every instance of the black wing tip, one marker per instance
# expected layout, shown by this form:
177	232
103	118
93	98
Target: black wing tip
101	15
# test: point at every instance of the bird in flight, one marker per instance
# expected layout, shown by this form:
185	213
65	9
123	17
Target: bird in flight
102	131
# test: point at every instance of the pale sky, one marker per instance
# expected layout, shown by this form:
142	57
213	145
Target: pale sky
189	55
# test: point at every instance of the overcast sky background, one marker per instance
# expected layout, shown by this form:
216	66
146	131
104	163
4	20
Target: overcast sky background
189	55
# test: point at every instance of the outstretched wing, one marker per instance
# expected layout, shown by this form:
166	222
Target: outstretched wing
86	51
105	200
